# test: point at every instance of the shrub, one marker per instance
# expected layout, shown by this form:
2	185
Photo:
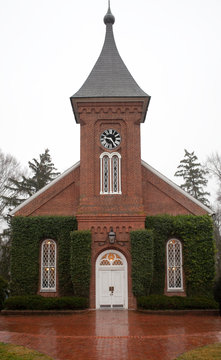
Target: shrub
196	235
37	302
217	290
3	291
27	235
163	302
142	261
81	262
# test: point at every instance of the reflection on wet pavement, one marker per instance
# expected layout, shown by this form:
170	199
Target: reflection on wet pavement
125	335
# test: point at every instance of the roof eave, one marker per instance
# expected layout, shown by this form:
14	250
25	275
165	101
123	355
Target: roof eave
75	100
176	187
53	182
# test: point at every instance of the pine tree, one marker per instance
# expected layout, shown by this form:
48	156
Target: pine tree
194	177
42	173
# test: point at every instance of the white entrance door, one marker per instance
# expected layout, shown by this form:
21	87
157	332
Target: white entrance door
111	280
111	288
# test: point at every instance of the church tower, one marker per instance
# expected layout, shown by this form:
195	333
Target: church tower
109	108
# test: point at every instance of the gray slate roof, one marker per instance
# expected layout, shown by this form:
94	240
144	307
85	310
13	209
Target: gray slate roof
109	76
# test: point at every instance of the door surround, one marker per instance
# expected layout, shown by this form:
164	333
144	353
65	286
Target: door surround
121	267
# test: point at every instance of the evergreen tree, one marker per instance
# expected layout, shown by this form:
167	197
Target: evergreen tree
17	189
194	177
42	173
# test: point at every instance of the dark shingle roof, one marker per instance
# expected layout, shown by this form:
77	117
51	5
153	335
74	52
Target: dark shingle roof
110	77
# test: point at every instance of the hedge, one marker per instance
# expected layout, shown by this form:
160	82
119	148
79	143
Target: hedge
81	262
196	235
163	302
27	235
3	291
142	261
37	302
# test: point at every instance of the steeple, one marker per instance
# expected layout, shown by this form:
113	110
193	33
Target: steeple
110	77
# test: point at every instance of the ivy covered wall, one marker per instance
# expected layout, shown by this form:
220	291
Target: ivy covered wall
27	235
148	252
142	261
196	235
81	262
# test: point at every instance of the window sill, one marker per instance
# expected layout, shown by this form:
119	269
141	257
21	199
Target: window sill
102	193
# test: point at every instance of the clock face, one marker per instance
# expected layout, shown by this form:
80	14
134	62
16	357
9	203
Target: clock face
110	139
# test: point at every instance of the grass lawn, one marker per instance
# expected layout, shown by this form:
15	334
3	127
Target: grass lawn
15	352
210	352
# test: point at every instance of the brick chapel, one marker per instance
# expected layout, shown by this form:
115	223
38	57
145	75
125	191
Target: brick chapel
110	190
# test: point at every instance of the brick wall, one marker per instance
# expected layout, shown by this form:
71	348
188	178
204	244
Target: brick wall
78	192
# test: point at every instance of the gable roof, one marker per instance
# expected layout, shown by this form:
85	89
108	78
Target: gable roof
45	188
176	187
147	166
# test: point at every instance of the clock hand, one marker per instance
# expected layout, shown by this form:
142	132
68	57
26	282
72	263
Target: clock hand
109	138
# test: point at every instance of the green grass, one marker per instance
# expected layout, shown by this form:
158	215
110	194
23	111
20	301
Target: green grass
15	352
210	352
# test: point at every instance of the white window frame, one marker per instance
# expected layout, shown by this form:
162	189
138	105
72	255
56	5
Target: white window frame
174	267
110	179
48	289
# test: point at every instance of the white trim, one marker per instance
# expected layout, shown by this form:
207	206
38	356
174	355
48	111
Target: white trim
48	289
98	268
180	266
39	192
101	175
119	176
176	187
110	175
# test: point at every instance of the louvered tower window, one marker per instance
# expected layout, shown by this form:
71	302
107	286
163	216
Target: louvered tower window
174	265
48	265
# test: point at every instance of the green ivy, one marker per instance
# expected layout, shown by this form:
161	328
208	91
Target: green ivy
196	235
142	261
27	235
81	262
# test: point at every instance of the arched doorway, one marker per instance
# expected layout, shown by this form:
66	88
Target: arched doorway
111	280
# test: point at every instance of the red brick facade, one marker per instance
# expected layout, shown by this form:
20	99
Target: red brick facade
77	192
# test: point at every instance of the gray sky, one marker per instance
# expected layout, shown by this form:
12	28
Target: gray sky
172	48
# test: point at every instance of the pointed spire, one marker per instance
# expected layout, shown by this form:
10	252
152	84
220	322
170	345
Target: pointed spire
110	77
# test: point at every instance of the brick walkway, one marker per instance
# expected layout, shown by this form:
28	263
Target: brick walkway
106	335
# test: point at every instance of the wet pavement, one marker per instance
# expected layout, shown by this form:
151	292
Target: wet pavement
104	335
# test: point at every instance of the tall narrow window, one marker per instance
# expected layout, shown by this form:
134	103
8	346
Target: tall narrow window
115	173
174	265
106	174
48	265
110	173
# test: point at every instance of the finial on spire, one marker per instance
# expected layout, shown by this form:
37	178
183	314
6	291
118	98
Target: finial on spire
109	17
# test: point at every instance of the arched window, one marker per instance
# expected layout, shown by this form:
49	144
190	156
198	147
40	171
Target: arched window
48	265
174	265
111	259
110	173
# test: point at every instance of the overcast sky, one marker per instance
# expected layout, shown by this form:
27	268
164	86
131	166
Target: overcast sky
172	49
